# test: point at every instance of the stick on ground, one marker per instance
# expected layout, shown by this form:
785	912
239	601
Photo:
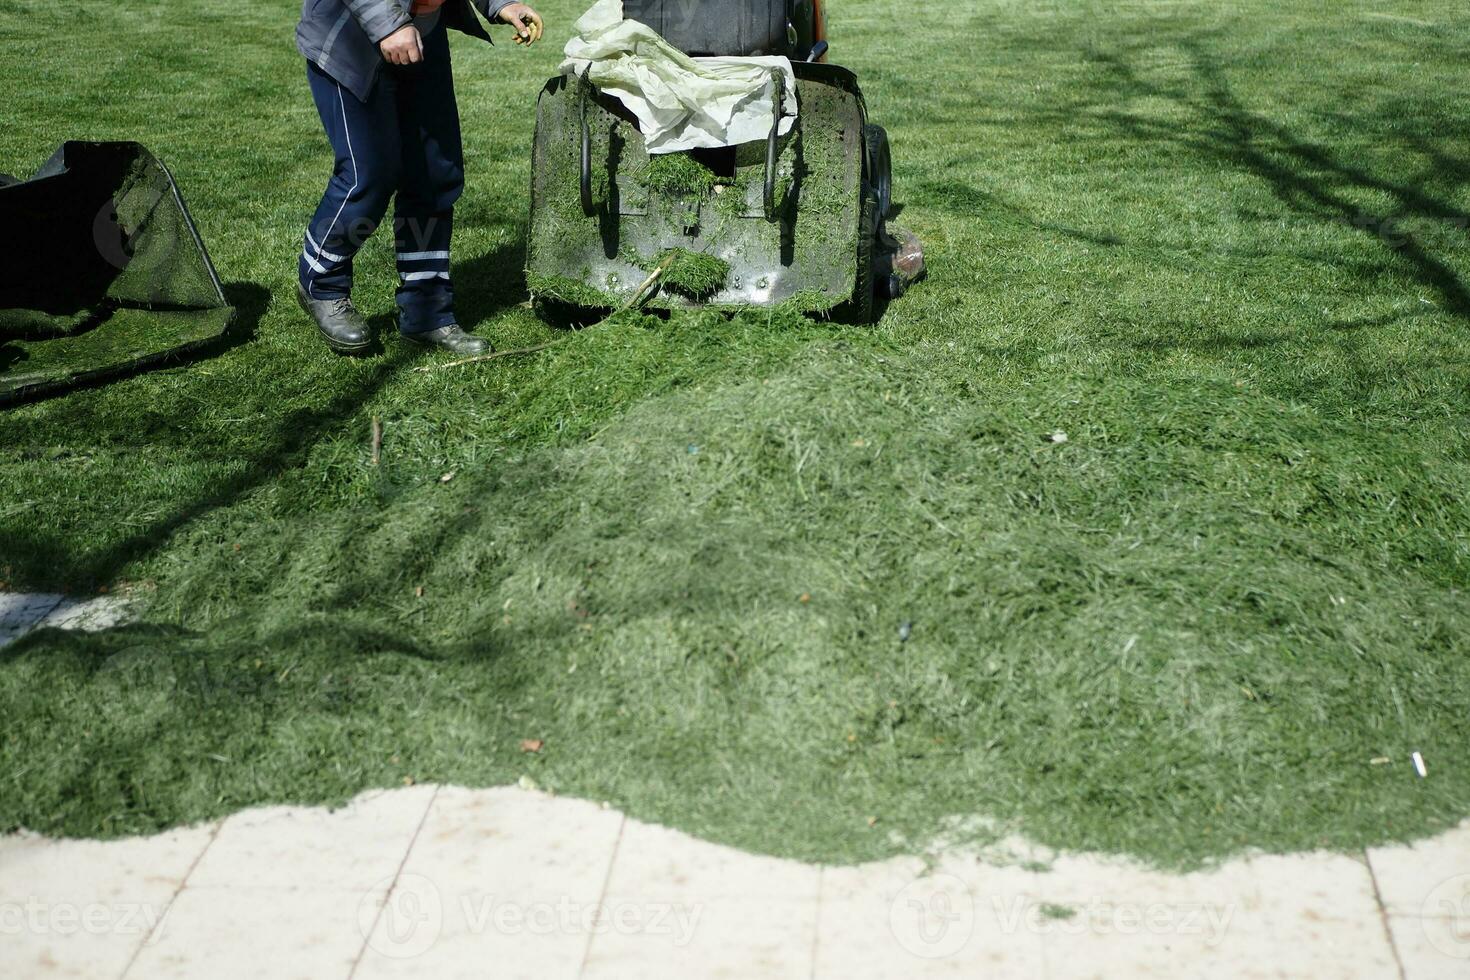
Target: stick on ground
492	356
640	296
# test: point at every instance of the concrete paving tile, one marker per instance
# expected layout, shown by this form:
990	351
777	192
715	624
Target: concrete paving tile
1094	915
1314	886
500	881
1080	879
1103	916
21	611
77	908
1085	909
87	615
988	880
681	907
1323	916
718	939
1159	941
1432	948
896	919
246	933
514	884
356	848
25	608
1429	877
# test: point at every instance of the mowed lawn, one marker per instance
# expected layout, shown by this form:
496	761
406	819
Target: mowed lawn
805	588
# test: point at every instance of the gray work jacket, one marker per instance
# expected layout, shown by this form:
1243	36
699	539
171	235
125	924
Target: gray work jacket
341	36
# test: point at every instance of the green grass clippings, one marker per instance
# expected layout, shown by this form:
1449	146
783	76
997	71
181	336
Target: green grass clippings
1226	260
677	174
694	274
567	290
730	200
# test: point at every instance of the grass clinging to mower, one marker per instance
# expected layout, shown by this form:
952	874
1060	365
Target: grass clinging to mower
677	173
693	274
805	588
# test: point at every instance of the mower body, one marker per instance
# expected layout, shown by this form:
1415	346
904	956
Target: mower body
794	216
743	29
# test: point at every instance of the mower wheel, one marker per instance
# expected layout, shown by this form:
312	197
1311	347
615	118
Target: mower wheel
565	316
862	307
880	168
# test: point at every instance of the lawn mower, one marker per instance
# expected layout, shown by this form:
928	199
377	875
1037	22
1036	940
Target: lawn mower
793	219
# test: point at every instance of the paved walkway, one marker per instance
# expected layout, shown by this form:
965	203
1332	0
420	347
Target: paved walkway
21	612
439	881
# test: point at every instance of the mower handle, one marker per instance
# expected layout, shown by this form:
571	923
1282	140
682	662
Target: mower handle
773	147
773	143
584	184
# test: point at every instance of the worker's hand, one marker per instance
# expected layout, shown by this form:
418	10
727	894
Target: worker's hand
403	46
525	20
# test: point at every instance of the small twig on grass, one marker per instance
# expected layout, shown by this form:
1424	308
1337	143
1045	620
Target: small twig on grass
640	296
377	440
490	357
648	284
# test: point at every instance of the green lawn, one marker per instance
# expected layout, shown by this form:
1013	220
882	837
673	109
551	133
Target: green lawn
1223	247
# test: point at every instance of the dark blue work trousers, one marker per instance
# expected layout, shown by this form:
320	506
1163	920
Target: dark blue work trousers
402	143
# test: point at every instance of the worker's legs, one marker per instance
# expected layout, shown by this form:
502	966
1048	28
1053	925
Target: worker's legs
364	137
432	177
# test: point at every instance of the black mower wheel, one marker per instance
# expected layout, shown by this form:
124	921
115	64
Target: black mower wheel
565	316
862	307
880	164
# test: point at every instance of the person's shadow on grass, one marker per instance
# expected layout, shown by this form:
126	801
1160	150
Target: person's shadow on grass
485	286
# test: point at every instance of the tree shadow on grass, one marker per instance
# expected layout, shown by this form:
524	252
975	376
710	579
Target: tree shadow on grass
1305	176
1218	129
1308	179
1313	181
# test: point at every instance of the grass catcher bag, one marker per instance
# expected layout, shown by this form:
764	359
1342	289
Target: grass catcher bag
105	272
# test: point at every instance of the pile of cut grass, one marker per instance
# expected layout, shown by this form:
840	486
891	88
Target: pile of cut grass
697	275
677	174
815	590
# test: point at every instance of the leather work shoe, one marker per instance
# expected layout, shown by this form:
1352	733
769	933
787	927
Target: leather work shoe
452	339
338	321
